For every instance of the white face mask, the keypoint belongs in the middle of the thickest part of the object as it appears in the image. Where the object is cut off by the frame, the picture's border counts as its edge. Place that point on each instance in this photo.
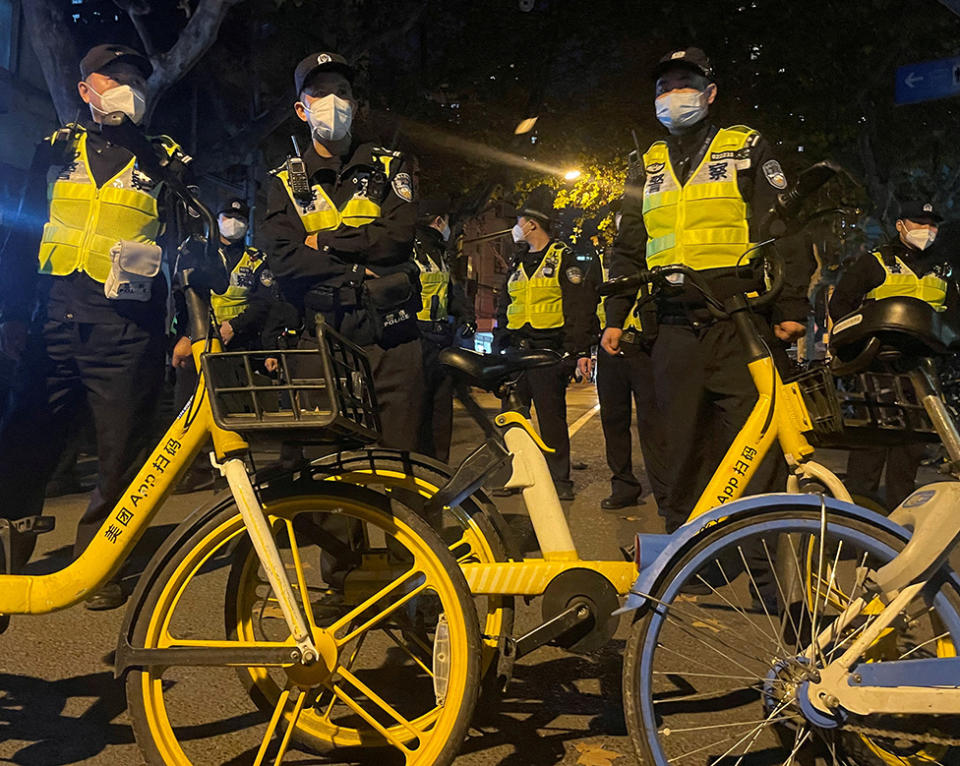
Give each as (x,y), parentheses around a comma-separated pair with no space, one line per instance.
(124,99)
(445,232)
(920,238)
(677,110)
(616,220)
(517,233)
(232,228)
(329,118)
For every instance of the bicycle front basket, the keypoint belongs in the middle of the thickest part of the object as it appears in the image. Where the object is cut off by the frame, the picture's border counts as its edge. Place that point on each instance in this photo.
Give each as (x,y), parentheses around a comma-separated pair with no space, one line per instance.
(322,394)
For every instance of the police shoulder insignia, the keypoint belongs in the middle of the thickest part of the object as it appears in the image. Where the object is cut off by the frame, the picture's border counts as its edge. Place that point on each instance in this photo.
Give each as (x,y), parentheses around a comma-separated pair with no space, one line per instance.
(403,186)
(774,174)
(266,277)
(575,275)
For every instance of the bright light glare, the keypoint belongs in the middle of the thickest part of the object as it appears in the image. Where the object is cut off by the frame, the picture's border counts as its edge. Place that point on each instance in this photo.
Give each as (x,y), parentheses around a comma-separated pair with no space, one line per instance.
(571,175)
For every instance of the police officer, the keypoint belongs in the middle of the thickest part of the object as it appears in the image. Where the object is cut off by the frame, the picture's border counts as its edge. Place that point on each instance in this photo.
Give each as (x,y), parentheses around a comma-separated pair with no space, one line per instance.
(703,197)
(339,238)
(447,314)
(901,267)
(624,380)
(241,313)
(97,335)
(548,303)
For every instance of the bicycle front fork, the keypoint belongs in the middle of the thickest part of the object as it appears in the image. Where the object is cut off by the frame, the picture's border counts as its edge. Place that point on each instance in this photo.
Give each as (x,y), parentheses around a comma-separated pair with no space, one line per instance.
(261,535)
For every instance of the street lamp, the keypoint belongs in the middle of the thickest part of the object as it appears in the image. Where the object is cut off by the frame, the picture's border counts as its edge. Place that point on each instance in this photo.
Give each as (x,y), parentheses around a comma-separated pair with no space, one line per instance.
(571,175)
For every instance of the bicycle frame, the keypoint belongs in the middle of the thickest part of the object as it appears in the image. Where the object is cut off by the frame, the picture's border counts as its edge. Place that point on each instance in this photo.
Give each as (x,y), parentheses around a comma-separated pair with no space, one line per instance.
(130,517)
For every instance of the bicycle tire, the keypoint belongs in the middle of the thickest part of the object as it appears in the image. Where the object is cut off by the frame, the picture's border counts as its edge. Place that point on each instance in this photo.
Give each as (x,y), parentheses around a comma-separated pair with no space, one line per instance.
(199,548)
(649,680)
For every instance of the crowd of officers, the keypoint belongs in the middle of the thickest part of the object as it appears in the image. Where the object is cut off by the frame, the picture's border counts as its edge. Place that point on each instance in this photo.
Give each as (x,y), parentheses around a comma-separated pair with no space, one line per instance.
(345,238)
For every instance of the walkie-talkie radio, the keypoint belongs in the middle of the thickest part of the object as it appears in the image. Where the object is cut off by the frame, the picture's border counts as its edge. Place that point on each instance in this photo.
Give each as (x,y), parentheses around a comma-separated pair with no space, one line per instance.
(297,176)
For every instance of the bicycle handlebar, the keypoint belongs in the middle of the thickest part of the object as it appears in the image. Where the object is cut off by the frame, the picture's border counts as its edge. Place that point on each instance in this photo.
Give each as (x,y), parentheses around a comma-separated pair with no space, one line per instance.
(659,276)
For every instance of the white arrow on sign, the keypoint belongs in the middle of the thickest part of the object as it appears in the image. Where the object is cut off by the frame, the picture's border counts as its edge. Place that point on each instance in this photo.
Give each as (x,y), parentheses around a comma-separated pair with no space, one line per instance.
(912,79)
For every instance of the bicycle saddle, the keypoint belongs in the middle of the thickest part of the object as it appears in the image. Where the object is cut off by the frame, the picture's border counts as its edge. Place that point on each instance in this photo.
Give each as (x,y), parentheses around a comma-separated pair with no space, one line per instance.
(489,371)
(890,328)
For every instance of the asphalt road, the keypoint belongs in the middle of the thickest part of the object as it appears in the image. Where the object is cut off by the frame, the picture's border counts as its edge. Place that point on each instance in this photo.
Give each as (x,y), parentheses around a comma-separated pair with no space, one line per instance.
(59,702)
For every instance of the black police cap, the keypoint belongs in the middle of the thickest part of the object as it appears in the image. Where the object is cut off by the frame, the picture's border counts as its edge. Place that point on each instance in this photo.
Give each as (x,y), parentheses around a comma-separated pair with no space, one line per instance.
(235,206)
(100,56)
(538,205)
(315,62)
(431,207)
(692,58)
(914,210)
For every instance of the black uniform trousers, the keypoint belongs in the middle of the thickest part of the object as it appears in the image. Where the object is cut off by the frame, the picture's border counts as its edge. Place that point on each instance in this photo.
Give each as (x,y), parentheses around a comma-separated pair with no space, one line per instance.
(397,380)
(625,381)
(865,466)
(117,370)
(436,421)
(706,396)
(546,389)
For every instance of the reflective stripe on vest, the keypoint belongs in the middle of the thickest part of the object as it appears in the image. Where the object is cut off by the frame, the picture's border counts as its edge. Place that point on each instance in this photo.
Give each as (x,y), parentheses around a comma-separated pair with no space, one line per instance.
(434,284)
(601,308)
(233,301)
(322,215)
(703,223)
(906,284)
(86,221)
(537,300)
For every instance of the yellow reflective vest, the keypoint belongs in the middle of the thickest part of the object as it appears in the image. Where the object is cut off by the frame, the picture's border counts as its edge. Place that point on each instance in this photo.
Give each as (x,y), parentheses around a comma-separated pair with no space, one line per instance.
(233,301)
(321,214)
(704,223)
(537,300)
(601,308)
(434,288)
(902,282)
(85,220)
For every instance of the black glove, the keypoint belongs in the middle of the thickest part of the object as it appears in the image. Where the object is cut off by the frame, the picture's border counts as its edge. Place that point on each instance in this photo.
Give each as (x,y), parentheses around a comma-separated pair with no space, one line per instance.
(468,329)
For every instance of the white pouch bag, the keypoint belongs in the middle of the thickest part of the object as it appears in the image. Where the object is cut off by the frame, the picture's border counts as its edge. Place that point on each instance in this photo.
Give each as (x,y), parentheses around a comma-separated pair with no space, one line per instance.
(133,267)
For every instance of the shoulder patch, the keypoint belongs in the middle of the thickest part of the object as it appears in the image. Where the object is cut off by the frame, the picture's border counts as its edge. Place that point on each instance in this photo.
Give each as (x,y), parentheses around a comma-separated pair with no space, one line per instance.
(774,174)
(266,277)
(403,186)
(575,275)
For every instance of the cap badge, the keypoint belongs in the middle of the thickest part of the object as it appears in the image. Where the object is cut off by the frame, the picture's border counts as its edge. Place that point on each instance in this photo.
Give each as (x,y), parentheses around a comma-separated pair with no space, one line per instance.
(235,205)
(678,54)
(928,208)
(324,58)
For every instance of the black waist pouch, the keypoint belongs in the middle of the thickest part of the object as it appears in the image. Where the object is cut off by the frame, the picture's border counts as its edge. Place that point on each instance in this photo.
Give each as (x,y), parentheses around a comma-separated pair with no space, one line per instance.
(392,303)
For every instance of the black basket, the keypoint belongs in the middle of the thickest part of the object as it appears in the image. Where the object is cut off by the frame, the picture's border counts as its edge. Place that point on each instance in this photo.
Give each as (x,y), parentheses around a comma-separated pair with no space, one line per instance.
(322,394)
(871,409)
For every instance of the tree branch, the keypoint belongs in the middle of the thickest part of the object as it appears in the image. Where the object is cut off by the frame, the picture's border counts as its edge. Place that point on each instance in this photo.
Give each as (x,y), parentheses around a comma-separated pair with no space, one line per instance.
(390,34)
(195,40)
(48,27)
(236,149)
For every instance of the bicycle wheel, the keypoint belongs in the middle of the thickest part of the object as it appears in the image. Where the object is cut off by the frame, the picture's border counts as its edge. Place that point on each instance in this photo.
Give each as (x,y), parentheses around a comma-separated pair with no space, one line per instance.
(713,666)
(473,530)
(386,603)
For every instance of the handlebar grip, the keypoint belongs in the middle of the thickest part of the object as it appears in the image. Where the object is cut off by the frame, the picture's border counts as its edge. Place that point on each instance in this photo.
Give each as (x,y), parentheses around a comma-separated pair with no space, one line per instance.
(763,300)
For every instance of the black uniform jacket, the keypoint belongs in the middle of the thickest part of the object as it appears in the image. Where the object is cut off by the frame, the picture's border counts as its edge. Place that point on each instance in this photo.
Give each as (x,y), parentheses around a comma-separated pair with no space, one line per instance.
(866,273)
(308,277)
(629,250)
(579,329)
(74,297)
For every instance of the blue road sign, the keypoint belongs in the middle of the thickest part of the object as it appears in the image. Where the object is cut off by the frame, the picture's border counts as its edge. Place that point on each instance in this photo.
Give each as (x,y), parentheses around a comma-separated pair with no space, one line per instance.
(928,80)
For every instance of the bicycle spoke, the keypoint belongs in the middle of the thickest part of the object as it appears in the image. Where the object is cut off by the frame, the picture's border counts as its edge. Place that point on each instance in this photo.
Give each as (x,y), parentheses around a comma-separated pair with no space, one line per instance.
(380,595)
(783,596)
(272,726)
(301,579)
(376,699)
(371,721)
(295,716)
